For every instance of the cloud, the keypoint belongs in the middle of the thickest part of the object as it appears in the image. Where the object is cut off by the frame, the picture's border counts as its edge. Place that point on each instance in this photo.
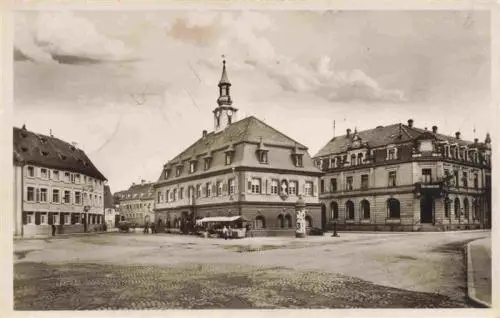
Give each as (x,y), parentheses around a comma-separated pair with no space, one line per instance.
(66,38)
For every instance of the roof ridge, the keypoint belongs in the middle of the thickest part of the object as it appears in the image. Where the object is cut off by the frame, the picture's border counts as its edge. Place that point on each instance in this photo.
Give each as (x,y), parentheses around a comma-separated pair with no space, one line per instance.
(279,132)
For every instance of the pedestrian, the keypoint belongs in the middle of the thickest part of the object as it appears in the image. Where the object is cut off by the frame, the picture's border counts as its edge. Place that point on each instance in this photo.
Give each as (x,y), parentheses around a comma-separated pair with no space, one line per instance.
(247,230)
(53,230)
(146,229)
(153,228)
(230,232)
(224,232)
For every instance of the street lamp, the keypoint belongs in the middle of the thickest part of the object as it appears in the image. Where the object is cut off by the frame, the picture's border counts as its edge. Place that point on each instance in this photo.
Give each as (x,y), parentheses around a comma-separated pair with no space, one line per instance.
(335,234)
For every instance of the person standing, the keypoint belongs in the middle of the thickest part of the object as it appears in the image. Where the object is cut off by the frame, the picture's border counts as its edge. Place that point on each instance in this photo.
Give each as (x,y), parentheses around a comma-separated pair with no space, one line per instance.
(224,232)
(53,230)
(230,232)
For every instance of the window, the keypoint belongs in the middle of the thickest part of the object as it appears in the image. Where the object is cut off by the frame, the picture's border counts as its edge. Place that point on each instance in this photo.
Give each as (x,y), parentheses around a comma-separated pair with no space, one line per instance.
(198,190)
(231,186)
(66,218)
(29,218)
(365,209)
(260,222)
(77,178)
(67,197)
(55,218)
(288,221)
(263,156)
(476,180)
(447,207)
(457,208)
(30,194)
(393,209)
(174,194)
(181,193)
(292,188)
(333,185)
(308,189)
(178,171)
(274,186)
(219,187)
(364,181)
(229,158)
(55,195)
(349,210)
(392,178)
(457,183)
(209,189)
(308,220)
(167,173)
(360,159)
(72,178)
(256,185)
(43,218)
(391,154)
(159,197)
(353,160)
(44,173)
(335,210)
(67,177)
(298,160)
(167,196)
(322,186)
(43,195)
(192,166)
(206,164)
(465,179)
(466,208)
(348,183)
(78,197)
(280,222)
(31,171)
(426,175)
(55,175)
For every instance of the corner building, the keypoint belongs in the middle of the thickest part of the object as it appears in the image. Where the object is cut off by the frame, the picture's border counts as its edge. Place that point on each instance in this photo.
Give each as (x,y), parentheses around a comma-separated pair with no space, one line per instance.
(136,204)
(402,178)
(54,183)
(242,168)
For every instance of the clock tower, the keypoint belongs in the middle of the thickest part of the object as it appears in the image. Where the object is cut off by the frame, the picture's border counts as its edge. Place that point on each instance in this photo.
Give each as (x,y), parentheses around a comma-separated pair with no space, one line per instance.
(224,113)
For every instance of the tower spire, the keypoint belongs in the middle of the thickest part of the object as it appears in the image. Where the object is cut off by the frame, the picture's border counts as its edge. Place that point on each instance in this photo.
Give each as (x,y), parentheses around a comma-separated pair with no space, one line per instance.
(224,113)
(224,85)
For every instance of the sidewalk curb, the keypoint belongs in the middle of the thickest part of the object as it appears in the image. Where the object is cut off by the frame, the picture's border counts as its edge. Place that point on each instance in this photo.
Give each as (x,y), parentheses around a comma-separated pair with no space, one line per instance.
(61,236)
(471,289)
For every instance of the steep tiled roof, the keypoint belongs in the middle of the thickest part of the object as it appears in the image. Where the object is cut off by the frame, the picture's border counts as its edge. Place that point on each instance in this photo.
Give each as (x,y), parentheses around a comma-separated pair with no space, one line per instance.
(249,129)
(383,136)
(108,198)
(51,152)
(137,191)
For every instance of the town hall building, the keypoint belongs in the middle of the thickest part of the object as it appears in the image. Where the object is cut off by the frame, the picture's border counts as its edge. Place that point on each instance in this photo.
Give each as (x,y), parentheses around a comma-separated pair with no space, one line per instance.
(242,168)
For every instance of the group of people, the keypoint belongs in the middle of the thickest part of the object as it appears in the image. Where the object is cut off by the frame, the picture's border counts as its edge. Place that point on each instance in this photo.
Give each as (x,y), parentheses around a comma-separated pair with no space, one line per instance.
(227,232)
(147,226)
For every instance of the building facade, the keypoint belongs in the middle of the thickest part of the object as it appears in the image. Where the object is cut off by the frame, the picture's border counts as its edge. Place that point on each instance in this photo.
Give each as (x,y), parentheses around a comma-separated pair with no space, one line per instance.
(110,210)
(402,178)
(54,183)
(136,204)
(243,167)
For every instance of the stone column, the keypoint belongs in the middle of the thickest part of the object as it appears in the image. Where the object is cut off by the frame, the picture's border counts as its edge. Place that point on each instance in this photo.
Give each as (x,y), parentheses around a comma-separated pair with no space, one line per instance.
(300,211)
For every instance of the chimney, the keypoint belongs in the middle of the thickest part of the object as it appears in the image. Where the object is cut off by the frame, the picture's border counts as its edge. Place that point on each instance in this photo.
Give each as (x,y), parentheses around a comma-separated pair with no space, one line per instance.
(476,140)
(204,133)
(410,123)
(457,135)
(143,181)
(348,132)
(435,129)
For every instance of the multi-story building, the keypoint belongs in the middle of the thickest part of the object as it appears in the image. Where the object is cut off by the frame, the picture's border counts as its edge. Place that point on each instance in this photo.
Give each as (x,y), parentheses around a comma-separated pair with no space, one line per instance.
(403,178)
(136,204)
(54,183)
(110,211)
(242,168)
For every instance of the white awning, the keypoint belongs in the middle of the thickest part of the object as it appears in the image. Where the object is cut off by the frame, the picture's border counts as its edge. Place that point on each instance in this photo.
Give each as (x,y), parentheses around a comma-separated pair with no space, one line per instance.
(220,219)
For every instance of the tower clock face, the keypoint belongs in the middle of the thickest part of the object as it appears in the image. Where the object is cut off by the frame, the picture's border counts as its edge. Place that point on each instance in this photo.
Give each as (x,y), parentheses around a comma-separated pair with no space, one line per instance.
(217,113)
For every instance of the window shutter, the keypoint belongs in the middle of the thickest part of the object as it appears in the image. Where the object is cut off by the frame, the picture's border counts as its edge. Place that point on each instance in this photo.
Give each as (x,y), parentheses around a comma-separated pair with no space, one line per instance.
(37,218)
(268,185)
(51,221)
(25,218)
(304,189)
(314,189)
(224,187)
(61,218)
(37,198)
(249,185)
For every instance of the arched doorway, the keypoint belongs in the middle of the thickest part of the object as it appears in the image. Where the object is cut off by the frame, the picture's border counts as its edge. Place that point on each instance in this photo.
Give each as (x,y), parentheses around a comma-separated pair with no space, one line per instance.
(426,209)
(335,210)
(288,221)
(365,209)
(281,221)
(466,209)
(349,210)
(308,220)
(323,217)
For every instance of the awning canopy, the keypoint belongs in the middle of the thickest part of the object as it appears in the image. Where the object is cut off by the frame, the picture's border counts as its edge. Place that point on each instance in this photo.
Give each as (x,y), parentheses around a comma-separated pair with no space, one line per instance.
(221,219)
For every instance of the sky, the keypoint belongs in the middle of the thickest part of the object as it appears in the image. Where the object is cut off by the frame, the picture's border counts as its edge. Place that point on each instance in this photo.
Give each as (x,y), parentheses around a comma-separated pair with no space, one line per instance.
(135,88)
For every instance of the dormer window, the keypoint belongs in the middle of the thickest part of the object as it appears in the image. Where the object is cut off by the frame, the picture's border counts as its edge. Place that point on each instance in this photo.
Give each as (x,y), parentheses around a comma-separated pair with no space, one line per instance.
(297,160)
(206,163)
(178,171)
(263,156)
(167,173)
(62,157)
(45,153)
(353,159)
(229,155)
(360,159)
(392,153)
(192,166)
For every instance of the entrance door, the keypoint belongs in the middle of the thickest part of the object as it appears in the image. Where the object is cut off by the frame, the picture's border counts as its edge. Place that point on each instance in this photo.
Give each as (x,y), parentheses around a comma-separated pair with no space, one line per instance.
(426,209)
(323,217)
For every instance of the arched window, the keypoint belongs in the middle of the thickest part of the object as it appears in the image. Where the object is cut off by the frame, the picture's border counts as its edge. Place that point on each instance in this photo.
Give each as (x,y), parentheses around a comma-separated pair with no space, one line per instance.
(466,208)
(360,159)
(260,222)
(308,220)
(349,210)
(281,221)
(288,221)
(393,208)
(447,207)
(365,209)
(457,208)
(335,210)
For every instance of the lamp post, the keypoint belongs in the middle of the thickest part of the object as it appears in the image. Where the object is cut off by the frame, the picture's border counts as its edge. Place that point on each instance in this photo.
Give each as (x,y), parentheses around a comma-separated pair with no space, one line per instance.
(335,234)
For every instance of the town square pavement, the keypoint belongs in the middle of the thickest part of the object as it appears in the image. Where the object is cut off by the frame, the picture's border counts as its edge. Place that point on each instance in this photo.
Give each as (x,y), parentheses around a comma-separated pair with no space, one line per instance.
(160,271)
